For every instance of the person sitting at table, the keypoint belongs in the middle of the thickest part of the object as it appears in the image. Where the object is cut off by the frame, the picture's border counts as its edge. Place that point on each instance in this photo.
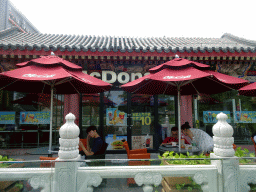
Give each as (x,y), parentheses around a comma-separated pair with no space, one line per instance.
(185,131)
(97,145)
(173,138)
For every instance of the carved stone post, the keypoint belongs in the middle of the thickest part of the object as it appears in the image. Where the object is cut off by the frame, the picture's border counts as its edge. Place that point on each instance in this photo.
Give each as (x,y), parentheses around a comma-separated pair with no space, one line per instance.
(228,169)
(148,179)
(66,172)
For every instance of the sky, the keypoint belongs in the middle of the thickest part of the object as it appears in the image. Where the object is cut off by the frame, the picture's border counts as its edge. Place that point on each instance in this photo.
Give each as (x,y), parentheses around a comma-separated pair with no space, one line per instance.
(142,18)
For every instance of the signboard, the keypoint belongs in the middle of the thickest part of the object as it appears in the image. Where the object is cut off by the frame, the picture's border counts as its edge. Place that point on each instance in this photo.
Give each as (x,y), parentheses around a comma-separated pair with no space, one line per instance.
(140,142)
(115,142)
(145,118)
(245,117)
(210,116)
(116,117)
(7,117)
(35,117)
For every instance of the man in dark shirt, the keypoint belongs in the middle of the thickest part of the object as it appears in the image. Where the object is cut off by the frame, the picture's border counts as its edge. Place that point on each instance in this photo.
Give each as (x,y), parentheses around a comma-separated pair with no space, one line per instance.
(97,145)
(174,138)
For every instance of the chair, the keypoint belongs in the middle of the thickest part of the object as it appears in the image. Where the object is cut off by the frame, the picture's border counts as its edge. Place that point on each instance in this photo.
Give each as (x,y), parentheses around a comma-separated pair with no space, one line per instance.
(136,154)
(254,144)
(84,141)
(48,164)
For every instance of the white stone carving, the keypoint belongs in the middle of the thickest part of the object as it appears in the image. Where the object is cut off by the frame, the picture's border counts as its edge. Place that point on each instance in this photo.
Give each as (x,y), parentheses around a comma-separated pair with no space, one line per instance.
(86,182)
(148,178)
(69,140)
(42,181)
(223,140)
(94,180)
(200,178)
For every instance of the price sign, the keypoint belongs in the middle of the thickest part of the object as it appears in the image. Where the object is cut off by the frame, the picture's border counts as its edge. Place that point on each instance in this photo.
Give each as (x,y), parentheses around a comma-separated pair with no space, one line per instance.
(145,118)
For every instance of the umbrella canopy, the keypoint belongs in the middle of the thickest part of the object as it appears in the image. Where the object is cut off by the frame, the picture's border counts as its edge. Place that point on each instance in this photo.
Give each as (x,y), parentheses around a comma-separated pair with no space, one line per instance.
(249,90)
(48,73)
(94,99)
(180,77)
(41,79)
(37,99)
(188,80)
(50,61)
(179,62)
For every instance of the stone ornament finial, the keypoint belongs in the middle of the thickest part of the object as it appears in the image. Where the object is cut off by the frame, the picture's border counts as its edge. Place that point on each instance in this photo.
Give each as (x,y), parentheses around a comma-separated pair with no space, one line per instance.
(69,140)
(223,140)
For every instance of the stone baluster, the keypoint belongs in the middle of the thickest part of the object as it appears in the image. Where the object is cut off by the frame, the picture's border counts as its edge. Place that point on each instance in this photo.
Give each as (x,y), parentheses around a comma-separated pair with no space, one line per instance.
(228,168)
(69,139)
(65,170)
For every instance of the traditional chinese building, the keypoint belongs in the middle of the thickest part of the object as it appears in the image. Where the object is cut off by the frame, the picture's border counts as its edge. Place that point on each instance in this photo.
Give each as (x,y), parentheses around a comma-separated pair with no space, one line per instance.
(118,60)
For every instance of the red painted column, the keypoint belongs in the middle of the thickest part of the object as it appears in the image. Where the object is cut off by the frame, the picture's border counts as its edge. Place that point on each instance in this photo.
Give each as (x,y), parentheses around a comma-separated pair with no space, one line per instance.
(186,110)
(71,105)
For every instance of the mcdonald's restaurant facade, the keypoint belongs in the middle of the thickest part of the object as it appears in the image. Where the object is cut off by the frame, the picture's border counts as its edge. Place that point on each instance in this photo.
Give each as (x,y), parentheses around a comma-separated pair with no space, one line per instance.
(119,115)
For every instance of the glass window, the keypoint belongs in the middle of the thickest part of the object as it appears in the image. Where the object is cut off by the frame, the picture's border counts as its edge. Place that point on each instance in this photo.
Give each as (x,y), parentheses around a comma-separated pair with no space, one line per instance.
(241,111)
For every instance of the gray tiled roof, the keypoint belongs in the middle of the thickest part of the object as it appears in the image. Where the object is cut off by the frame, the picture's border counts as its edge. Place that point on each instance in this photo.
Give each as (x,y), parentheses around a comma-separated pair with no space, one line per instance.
(14,39)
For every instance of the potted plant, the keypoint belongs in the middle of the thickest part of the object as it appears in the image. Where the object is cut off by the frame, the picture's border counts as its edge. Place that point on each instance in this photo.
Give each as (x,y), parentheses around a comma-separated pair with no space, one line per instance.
(181,183)
(186,183)
(244,153)
(14,186)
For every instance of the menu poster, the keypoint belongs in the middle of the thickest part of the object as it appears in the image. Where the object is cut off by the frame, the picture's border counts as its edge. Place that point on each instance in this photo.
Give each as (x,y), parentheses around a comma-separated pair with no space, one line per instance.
(210,116)
(34,117)
(140,142)
(115,142)
(116,117)
(145,118)
(245,117)
(7,117)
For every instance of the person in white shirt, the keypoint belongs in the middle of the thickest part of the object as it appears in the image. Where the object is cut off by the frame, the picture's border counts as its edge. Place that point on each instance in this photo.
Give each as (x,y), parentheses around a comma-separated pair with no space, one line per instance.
(185,129)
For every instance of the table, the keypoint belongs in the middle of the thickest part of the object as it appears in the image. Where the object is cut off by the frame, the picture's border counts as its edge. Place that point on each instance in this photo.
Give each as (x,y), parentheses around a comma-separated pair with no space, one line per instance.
(162,149)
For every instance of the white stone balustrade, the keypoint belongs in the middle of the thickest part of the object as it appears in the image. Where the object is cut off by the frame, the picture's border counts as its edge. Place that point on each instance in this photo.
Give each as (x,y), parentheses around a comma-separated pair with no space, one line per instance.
(225,175)
(223,140)
(69,140)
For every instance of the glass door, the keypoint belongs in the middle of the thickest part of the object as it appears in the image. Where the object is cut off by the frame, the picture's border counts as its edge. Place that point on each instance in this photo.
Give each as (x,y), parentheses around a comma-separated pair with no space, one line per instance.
(142,124)
(115,119)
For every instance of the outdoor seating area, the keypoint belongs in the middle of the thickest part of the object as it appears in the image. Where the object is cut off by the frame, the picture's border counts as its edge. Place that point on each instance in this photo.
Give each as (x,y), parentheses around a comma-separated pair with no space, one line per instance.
(121,112)
(166,173)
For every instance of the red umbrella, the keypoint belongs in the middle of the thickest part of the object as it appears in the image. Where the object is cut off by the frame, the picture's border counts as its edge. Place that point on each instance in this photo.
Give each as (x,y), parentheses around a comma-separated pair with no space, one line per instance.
(45,74)
(249,90)
(50,61)
(95,99)
(180,77)
(38,99)
(178,62)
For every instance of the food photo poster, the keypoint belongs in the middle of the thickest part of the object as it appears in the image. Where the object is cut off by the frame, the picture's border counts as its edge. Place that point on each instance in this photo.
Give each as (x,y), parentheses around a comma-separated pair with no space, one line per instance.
(116,117)
(115,142)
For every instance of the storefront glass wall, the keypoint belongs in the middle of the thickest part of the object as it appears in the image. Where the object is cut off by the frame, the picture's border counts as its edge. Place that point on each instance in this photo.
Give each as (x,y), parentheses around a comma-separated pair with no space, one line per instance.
(241,111)
(25,119)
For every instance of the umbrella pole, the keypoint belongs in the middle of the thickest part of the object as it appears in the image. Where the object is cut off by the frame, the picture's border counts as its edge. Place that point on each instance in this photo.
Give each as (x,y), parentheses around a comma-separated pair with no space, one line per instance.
(179,127)
(51,117)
